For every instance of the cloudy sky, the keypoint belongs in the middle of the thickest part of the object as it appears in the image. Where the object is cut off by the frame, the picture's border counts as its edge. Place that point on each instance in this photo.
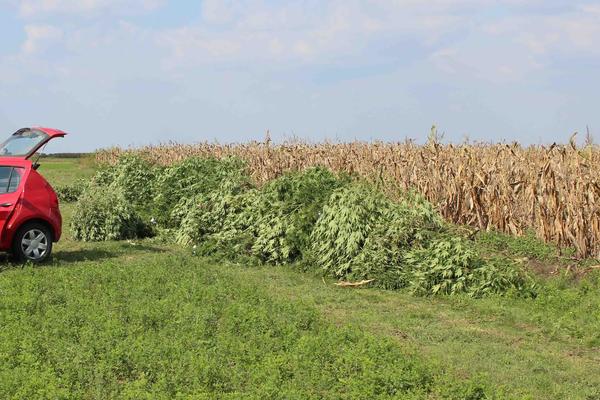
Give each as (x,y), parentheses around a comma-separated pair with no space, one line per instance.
(115,72)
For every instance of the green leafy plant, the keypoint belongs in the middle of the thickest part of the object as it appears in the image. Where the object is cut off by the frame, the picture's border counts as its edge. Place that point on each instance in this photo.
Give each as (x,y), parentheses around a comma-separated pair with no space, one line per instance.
(181,184)
(133,176)
(348,228)
(221,217)
(271,224)
(449,265)
(71,192)
(106,215)
(363,234)
(527,245)
(287,210)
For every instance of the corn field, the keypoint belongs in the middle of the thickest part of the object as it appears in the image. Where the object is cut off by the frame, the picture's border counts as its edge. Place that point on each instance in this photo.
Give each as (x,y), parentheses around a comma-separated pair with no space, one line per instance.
(551,190)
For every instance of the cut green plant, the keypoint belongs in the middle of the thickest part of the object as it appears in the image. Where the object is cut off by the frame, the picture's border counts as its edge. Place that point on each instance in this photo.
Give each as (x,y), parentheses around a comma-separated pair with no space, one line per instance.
(345,226)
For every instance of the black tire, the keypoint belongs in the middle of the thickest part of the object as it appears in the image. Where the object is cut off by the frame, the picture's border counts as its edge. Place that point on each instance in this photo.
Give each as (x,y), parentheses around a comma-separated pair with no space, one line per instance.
(32,242)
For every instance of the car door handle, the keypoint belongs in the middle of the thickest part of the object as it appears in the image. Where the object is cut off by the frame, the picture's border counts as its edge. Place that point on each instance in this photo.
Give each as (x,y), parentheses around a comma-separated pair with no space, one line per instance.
(5,204)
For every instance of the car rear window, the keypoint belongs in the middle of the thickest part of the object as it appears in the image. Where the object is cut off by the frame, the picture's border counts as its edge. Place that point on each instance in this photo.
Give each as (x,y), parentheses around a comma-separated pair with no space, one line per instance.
(10,177)
(22,142)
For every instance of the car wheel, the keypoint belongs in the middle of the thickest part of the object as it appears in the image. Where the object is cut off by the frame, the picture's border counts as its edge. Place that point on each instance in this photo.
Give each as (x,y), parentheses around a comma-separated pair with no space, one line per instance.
(32,242)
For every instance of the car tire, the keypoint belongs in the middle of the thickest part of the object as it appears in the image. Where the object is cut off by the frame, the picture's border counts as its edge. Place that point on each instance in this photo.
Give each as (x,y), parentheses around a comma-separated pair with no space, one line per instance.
(32,242)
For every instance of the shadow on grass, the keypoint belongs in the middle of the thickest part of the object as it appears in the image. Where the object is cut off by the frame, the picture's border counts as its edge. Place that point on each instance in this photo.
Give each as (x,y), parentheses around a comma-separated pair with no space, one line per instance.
(6,262)
(99,254)
(61,257)
(71,256)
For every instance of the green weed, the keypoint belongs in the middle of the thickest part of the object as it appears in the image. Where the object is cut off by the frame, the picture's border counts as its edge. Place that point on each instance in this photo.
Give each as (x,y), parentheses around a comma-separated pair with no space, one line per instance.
(348,228)
(71,192)
(178,186)
(527,245)
(102,214)
(167,328)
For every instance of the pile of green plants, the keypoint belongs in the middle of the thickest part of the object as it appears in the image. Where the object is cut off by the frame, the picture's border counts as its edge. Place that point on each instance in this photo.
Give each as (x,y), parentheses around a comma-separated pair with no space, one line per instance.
(362,234)
(134,177)
(311,218)
(179,186)
(272,224)
(112,206)
(103,214)
(151,194)
(71,192)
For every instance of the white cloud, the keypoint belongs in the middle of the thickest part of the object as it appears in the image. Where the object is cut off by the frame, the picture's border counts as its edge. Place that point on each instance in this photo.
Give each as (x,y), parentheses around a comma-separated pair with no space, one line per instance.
(497,63)
(34,8)
(312,31)
(577,30)
(458,37)
(8,74)
(512,47)
(40,36)
(591,9)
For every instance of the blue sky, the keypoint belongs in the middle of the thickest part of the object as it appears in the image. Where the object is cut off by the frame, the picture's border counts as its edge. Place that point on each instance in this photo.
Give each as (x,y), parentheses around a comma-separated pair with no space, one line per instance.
(115,72)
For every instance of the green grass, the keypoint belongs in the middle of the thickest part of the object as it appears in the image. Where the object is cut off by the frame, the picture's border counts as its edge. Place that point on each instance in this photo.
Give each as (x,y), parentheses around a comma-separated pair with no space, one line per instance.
(166,326)
(142,320)
(62,171)
(547,348)
(527,246)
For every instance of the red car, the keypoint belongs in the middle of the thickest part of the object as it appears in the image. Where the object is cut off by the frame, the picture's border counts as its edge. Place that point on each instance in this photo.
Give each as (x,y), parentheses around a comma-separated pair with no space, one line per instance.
(30,220)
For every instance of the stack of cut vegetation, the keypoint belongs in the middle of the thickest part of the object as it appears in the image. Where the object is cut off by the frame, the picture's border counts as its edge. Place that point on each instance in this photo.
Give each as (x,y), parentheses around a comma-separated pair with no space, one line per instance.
(314,217)
(71,193)
(551,190)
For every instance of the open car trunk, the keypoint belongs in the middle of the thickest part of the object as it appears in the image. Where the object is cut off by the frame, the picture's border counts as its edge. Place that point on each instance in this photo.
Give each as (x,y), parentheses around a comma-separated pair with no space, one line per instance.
(25,142)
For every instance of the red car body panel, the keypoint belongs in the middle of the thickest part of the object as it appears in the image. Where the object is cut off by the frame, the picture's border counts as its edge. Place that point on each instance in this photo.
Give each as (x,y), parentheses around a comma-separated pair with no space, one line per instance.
(51,131)
(33,200)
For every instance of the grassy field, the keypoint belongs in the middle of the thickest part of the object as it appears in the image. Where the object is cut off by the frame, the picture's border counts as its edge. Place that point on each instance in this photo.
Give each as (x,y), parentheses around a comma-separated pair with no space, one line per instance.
(141,319)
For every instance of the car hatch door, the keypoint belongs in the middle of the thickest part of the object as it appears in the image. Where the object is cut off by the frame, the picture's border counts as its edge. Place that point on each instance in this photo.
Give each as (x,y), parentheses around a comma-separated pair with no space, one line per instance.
(25,142)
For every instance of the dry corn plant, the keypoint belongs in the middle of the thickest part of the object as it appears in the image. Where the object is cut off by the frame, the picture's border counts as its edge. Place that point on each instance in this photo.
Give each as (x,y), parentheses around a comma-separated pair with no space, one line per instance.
(553,190)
